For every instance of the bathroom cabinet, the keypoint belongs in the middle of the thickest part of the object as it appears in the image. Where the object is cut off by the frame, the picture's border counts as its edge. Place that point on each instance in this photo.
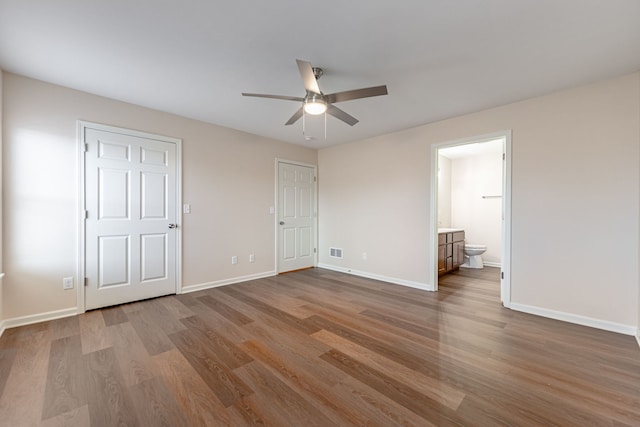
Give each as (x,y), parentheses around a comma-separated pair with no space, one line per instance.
(450,250)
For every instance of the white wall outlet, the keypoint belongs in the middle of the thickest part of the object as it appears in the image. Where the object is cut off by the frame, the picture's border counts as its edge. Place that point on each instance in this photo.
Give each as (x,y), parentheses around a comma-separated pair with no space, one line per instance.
(67,283)
(234,260)
(272,210)
(186,208)
(252,258)
(364,256)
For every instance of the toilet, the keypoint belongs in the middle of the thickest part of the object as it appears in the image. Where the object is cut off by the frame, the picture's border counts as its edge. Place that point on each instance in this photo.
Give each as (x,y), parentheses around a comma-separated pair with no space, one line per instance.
(472,256)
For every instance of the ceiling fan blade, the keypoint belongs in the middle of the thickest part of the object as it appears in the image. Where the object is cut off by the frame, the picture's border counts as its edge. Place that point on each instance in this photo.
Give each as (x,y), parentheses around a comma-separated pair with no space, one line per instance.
(309,79)
(295,117)
(287,98)
(341,115)
(348,95)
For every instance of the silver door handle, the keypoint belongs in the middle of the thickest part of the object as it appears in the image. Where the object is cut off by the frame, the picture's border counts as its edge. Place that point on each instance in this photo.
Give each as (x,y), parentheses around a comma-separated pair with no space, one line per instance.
(173,225)
(281,222)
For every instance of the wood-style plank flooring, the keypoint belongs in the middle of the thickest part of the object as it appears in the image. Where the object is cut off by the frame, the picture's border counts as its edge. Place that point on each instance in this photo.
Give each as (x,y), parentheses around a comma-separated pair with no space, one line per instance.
(319,348)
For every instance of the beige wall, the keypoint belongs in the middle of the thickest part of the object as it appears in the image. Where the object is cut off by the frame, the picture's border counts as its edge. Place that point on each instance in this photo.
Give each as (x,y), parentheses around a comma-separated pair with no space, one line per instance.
(575,197)
(228,178)
(576,157)
(1,265)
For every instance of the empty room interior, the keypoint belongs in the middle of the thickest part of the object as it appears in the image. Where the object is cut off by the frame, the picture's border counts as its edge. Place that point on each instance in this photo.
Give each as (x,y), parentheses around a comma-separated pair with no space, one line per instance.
(336,213)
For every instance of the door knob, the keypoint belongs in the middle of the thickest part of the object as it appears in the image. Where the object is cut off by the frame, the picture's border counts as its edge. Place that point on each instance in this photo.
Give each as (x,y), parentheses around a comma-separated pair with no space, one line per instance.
(173,225)
(281,222)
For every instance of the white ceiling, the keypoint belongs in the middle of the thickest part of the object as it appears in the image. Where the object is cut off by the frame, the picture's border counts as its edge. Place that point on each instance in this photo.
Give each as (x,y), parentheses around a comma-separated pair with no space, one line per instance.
(439,58)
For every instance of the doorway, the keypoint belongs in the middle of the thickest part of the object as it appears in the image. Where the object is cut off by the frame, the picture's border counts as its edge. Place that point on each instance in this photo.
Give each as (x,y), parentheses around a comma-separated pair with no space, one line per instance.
(296,219)
(130,215)
(500,199)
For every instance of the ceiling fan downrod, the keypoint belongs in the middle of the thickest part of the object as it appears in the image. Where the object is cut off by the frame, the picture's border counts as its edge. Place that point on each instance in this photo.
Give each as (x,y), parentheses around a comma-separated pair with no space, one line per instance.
(317,72)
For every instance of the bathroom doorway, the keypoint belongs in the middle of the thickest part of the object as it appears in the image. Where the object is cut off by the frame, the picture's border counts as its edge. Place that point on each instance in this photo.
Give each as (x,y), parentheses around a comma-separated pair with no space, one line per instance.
(471,189)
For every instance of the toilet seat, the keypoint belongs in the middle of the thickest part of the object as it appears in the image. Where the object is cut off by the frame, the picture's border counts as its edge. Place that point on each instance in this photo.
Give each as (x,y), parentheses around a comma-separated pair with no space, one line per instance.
(470,246)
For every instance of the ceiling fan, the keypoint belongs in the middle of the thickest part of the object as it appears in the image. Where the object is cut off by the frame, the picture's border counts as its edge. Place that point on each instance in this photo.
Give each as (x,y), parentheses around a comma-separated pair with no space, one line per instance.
(315,102)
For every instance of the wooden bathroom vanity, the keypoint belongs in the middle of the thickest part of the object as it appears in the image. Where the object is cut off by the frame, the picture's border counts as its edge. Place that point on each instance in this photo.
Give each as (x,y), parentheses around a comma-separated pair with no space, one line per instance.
(450,249)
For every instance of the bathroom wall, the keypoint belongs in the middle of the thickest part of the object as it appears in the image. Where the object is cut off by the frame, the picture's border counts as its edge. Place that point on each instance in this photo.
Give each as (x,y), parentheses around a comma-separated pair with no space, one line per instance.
(444,192)
(472,178)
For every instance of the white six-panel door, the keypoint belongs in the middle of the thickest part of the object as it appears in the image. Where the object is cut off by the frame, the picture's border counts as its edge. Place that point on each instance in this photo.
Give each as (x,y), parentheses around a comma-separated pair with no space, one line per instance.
(296,217)
(130,234)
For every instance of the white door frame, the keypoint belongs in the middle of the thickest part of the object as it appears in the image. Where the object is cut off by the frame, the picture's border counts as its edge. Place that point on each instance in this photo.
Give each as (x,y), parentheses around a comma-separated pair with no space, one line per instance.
(81,268)
(277,214)
(505,287)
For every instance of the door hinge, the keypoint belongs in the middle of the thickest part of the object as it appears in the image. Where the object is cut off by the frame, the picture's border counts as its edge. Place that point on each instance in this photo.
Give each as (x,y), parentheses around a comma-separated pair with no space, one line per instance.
(504,156)
(314,179)
(502,275)
(86,147)
(314,250)
(86,214)
(86,282)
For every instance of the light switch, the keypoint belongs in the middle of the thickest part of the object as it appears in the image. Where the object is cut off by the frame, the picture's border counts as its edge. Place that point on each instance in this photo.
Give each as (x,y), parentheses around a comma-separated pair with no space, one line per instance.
(272,210)
(186,208)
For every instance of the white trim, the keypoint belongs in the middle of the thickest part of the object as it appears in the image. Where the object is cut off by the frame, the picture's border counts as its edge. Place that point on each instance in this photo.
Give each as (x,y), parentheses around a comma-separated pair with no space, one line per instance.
(638,339)
(394,280)
(276,213)
(224,282)
(37,318)
(1,290)
(577,319)
(433,223)
(505,290)
(505,283)
(492,264)
(80,219)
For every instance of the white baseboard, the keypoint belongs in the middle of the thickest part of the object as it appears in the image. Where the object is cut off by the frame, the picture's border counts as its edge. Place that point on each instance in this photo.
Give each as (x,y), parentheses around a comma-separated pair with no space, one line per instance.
(638,339)
(52,315)
(37,318)
(396,281)
(224,282)
(492,264)
(577,319)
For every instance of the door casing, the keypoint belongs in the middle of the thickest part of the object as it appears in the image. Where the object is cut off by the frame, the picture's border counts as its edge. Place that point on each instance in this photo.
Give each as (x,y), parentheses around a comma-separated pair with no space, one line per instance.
(81,267)
(505,283)
(277,213)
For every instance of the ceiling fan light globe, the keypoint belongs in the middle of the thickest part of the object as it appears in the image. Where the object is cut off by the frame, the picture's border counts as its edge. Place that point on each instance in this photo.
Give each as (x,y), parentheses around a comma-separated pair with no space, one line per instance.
(315,106)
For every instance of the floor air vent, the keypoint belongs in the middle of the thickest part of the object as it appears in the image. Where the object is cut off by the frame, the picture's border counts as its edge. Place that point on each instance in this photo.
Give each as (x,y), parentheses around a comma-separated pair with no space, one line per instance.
(335,252)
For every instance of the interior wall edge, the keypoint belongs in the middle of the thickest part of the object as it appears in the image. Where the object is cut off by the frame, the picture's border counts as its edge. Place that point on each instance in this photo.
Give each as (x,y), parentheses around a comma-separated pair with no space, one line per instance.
(225,282)
(394,280)
(577,319)
(37,318)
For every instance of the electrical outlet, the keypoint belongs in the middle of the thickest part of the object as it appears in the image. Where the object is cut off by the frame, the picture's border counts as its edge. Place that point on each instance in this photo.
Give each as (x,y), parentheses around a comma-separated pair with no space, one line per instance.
(364,256)
(234,259)
(252,258)
(67,283)
(186,208)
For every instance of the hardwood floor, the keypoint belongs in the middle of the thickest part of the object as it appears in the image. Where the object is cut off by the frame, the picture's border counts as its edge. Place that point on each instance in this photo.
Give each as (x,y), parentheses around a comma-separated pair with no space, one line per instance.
(319,348)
